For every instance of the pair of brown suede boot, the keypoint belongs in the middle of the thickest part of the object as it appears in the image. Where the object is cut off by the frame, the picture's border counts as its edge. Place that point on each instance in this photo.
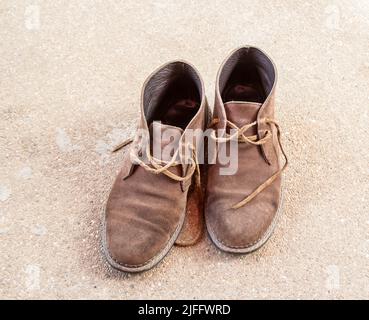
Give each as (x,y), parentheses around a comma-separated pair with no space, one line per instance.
(171,181)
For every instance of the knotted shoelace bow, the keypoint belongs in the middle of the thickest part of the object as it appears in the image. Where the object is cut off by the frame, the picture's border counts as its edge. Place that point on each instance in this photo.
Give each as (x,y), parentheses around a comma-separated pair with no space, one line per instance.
(242,138)
(157,166)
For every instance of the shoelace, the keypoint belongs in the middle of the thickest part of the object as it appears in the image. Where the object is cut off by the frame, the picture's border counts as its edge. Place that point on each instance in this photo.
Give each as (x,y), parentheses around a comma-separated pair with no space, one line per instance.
(157,166)
(242,138)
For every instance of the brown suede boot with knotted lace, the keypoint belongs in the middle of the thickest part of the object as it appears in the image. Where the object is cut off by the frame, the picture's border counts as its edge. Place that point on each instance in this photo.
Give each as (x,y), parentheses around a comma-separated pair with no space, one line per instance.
(146,209)
(241,209)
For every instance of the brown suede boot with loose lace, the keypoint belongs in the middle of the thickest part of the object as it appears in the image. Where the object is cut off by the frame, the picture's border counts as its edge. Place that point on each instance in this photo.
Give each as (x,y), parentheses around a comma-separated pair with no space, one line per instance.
(147,204)
(241,209)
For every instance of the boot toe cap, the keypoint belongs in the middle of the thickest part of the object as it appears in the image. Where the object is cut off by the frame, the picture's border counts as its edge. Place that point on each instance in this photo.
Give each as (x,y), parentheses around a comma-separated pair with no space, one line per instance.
(134,248)
(239,229)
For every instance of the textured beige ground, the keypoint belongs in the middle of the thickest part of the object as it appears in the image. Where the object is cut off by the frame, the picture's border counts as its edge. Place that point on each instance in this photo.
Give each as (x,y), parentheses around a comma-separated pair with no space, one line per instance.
(70,77)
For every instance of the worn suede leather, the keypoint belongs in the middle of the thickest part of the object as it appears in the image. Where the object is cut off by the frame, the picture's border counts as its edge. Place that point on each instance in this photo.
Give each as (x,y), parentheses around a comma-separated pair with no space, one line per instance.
(244,94)
(145,211)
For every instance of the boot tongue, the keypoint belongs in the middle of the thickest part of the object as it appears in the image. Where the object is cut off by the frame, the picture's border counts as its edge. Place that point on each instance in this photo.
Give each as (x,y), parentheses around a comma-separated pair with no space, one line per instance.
(164,140)
(241,113)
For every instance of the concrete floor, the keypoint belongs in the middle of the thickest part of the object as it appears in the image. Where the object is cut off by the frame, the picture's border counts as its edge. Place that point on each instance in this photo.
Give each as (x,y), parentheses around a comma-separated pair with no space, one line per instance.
(70,78)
